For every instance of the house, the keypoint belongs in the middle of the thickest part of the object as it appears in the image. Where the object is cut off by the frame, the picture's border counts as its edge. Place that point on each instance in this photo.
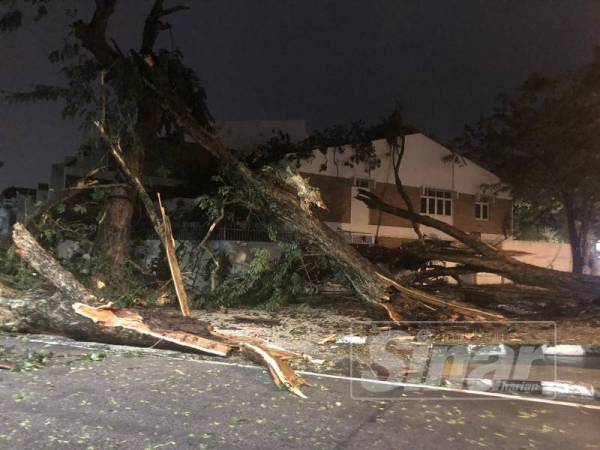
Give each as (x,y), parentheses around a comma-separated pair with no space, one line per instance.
(439,184)
(168,167)
(17,204)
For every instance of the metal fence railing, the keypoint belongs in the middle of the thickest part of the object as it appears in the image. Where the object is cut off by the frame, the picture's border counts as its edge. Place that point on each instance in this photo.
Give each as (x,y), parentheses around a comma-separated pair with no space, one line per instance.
(195,231)
(358,238)
(241,234)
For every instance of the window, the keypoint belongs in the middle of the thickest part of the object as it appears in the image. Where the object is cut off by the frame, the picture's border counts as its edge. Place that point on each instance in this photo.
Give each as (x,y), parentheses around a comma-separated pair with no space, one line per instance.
(436,202)
(482,209)
(364,183)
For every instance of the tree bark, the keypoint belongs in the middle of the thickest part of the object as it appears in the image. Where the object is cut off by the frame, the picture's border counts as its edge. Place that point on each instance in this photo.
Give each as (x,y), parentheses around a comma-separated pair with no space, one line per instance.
(575,236)
(111,246)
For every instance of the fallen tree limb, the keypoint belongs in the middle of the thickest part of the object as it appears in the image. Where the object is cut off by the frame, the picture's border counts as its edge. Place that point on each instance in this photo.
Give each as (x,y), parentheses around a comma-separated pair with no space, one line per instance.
(65,314)
(520,301)
(130,319)
(161,227)
(32,253)
(463,308)
(291,211)
(585,288)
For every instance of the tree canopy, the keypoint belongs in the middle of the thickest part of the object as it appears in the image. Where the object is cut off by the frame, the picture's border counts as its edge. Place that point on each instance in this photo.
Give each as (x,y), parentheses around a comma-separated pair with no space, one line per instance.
(544,142)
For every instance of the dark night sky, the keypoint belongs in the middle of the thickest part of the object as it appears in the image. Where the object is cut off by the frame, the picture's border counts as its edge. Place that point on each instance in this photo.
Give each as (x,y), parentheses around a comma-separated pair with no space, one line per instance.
(326,61)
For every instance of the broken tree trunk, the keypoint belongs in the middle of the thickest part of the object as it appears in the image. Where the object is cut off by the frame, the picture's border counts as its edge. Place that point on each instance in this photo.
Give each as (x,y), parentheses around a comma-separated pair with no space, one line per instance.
(65,314)
(298,219)
(487,258)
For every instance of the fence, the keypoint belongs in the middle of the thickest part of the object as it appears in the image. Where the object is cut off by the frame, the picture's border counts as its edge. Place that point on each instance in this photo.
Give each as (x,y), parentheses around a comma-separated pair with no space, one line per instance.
(195,231)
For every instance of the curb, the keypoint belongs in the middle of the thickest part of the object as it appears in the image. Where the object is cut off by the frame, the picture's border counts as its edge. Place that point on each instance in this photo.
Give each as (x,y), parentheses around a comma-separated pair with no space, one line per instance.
(547,350)
(498,349)
(571,350)
(544,388)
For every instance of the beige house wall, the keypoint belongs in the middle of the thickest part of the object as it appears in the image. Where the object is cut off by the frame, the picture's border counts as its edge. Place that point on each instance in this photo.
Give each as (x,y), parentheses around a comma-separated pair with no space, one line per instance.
(551,255)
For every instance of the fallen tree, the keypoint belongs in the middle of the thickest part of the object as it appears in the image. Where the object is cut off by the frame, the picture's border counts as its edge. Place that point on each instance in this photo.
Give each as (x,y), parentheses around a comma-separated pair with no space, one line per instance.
(76,312)
(294,212)
(478,256)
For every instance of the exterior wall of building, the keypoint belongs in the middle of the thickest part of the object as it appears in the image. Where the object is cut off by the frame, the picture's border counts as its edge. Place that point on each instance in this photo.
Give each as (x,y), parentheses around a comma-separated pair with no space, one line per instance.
(499,220)
(389,194)
(426,164)
(551,255)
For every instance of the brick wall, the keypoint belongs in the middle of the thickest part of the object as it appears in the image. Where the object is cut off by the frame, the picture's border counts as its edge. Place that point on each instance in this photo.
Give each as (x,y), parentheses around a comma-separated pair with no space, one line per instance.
(336,193)
(499,222)
(389,194)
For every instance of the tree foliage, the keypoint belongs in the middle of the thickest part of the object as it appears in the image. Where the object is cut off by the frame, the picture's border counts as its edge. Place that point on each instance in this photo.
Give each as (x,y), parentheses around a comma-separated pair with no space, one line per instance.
(353,139)
(92,91)
(103,83)
(544,143)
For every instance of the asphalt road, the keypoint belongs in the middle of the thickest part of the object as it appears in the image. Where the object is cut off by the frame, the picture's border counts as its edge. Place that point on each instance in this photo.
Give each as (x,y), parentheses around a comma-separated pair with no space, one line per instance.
(79,399)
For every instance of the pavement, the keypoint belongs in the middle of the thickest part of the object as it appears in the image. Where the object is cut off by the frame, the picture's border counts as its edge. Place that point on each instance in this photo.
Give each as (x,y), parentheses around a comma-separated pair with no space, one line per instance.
(70,396)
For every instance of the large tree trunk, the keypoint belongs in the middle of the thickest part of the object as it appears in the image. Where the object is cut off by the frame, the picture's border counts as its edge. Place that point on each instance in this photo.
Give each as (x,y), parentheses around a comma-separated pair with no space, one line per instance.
(575,237)
(111,246)
(50,313)
(112,242)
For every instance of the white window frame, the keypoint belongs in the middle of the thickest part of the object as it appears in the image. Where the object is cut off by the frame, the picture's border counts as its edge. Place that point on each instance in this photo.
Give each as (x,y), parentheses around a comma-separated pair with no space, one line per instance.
(437,202)
(363,183)
(481,205)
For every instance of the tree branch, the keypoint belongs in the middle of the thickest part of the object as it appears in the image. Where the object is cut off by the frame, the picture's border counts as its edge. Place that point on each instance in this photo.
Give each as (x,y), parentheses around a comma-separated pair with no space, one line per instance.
(93,34)
(154,25)
(117,153)
(372,201)
(397,155)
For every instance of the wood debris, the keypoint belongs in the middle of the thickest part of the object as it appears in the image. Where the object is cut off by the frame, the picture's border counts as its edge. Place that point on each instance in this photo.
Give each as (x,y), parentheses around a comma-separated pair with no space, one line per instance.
(327,340)
(7,365)
(169,242)
(107,323)
(130,319)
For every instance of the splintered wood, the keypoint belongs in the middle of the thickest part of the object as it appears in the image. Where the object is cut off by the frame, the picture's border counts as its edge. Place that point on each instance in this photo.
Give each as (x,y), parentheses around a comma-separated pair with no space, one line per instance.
(220,343)
(109,316)
(274,357)
(111,323)
(169,242)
